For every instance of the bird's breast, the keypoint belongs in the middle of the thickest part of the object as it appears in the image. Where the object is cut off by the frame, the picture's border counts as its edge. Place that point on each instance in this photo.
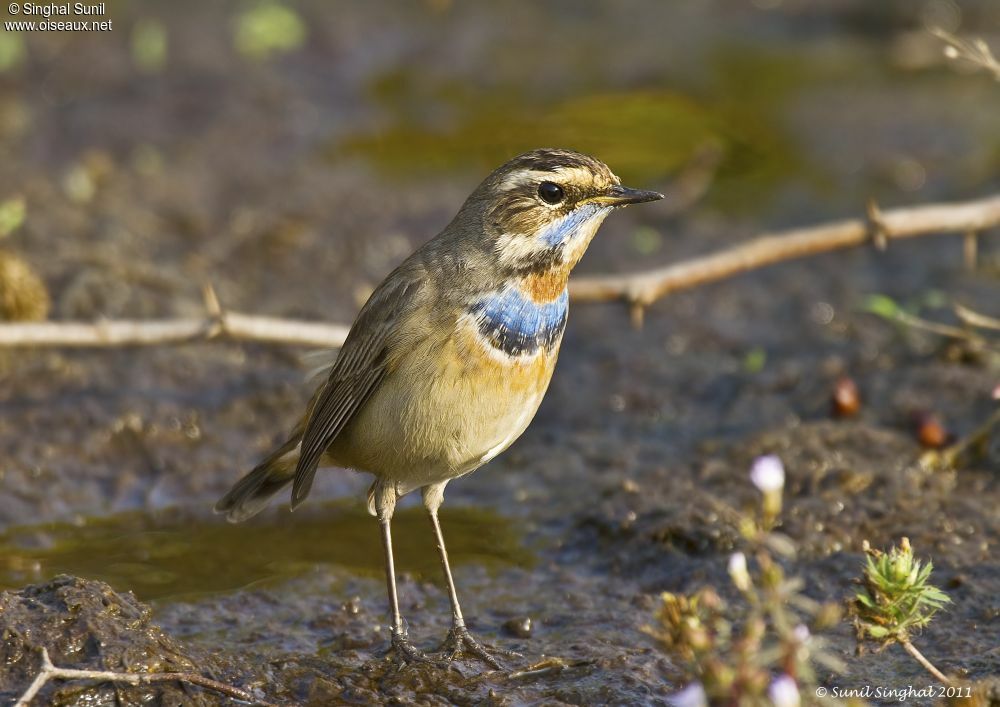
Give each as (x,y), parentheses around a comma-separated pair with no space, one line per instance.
(518,321)
(460,395)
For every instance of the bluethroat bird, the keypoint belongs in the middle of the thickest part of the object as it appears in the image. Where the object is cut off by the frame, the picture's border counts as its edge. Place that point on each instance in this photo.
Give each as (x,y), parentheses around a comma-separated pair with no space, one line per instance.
(448,360)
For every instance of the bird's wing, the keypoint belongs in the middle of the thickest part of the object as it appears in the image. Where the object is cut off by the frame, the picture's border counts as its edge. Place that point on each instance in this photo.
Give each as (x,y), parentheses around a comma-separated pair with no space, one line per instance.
(357,373)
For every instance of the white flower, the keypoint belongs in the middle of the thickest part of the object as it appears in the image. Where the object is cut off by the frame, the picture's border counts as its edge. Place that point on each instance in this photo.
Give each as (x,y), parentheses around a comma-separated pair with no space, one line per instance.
(738,571)
(801,633)
(768,473)
(691,696)
(784,692)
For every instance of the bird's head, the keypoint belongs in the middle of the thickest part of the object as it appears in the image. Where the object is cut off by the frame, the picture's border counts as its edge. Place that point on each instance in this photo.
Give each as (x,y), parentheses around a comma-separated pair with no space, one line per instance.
(541,209)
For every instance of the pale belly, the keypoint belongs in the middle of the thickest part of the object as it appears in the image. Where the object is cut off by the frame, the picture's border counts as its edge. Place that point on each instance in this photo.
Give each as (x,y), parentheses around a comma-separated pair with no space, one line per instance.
(443,411)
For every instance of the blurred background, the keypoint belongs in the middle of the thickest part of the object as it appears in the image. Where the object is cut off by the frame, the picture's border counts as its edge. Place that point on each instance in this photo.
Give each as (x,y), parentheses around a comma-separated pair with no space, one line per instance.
(291,153)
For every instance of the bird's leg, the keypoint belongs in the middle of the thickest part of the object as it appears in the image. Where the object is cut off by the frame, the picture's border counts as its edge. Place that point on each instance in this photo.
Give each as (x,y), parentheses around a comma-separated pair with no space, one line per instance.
(459,639)
(385,504)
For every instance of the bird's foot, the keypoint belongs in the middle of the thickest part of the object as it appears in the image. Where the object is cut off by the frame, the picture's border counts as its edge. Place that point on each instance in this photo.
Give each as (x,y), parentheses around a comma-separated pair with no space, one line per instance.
(405,653)
(459,641)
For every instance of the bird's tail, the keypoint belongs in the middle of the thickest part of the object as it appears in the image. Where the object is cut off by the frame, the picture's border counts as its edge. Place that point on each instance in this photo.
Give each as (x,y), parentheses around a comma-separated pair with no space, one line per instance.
(251,493)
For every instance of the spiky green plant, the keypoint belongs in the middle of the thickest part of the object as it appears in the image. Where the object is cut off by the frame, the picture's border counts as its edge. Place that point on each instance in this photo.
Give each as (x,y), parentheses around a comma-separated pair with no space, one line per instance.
(896,599)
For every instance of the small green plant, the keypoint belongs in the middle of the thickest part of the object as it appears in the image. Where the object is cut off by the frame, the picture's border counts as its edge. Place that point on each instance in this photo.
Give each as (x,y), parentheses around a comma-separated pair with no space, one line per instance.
(896,600)
(12,50)
(688,626)
(268,28)
(12,213)
(150,45)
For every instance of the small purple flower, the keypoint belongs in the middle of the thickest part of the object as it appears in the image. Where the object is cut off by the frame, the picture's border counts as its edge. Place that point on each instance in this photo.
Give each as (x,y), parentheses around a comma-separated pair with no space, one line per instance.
(784,692)
(768,473)
(691,696)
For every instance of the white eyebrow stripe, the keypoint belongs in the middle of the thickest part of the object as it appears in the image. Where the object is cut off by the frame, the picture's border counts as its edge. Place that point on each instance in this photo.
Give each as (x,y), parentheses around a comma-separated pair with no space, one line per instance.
(518,179)
(565,175)
(575,175)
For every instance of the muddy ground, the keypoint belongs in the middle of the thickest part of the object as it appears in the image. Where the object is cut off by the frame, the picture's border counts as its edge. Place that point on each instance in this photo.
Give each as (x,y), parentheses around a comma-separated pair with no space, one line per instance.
(295,181)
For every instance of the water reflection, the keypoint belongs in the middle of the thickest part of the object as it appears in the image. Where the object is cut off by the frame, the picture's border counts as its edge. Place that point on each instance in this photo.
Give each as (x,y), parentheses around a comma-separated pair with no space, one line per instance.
(171,554)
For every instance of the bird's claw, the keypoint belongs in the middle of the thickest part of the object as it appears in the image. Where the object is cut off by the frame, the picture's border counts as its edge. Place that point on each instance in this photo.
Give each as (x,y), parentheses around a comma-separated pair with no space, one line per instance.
(460,640)
(405,653)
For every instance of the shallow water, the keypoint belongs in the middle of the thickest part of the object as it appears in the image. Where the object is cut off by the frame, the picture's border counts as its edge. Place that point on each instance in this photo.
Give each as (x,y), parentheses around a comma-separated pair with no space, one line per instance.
(169,555)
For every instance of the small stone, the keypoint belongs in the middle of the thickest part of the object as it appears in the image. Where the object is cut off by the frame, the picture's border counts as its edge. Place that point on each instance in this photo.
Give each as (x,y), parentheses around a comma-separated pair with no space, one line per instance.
(956,581)
(519,627)
(846,400)
(630,486)
(931,431)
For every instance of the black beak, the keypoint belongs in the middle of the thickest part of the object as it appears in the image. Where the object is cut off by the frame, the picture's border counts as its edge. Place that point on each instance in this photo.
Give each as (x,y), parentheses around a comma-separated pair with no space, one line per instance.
(622,196)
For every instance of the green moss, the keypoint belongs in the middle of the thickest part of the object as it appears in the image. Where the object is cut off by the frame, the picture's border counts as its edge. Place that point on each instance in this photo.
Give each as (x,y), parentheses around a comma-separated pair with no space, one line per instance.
(149,45)
(643,135)
(12,213)
(12,50)
(268,28)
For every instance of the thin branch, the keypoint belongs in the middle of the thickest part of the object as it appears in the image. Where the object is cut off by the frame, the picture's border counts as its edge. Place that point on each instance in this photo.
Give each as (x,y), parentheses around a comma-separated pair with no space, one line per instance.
(644,288)
(928,666)
(233,325)
(968,334)
(975,51)
(50,672)
(973,318)
(953,332)
(638,289)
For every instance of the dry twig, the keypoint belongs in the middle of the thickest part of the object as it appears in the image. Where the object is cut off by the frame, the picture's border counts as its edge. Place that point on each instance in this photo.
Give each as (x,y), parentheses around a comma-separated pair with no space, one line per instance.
(218,323)
(50,672)
(952,332)
(235,326)
(928,666)
(973,318)
(970,332)
(975,51)
(637,289)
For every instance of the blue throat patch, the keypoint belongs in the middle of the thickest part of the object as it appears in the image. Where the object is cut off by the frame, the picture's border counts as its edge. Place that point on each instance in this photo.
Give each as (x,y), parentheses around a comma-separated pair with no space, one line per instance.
(518,326)
(563,229)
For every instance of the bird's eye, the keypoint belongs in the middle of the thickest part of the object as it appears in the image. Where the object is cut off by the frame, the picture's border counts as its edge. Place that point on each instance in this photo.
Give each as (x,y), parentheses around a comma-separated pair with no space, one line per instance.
(550,192)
